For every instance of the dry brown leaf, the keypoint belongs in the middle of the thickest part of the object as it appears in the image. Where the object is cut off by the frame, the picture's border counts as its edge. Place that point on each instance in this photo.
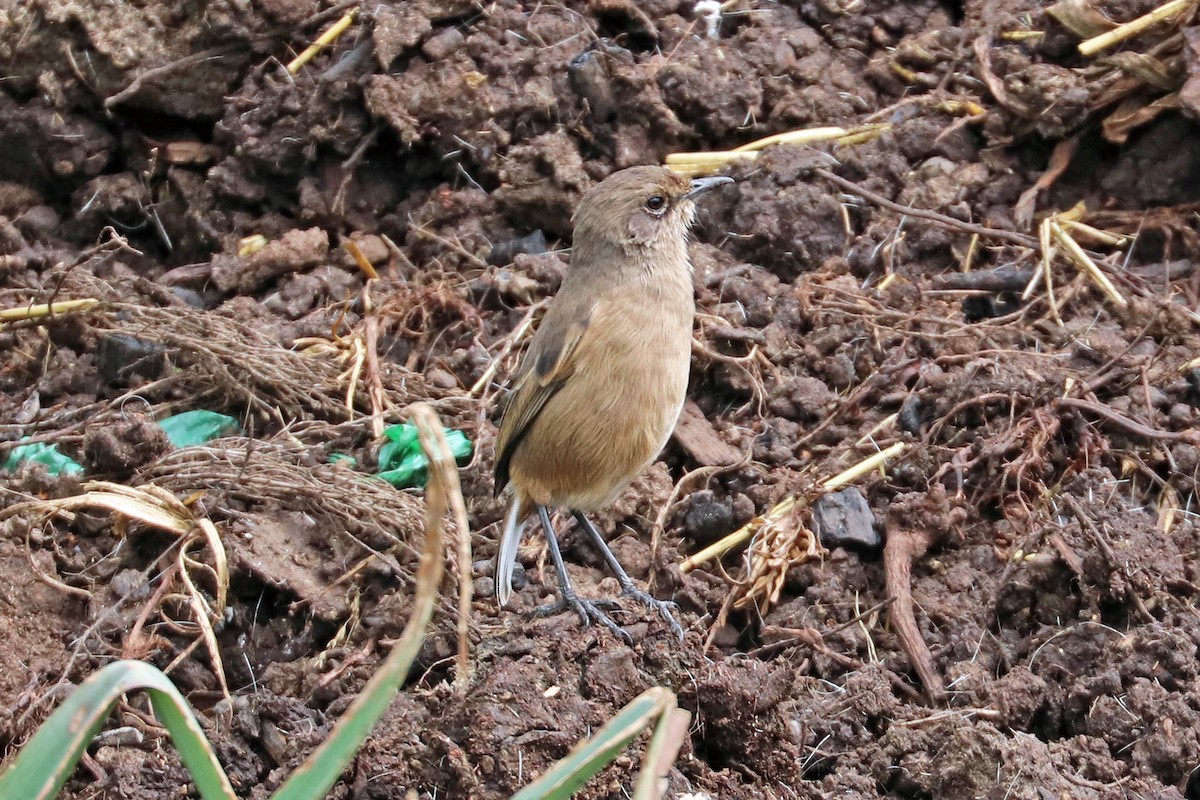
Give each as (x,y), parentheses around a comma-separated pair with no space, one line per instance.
(1081,17)
(1133,113)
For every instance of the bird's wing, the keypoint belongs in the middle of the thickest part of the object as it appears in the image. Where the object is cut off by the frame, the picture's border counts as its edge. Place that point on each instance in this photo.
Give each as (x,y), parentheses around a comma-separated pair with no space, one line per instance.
(548,364)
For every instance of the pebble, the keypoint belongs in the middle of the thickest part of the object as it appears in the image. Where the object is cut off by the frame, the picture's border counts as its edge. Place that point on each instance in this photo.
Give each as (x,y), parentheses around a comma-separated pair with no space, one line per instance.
(844,519)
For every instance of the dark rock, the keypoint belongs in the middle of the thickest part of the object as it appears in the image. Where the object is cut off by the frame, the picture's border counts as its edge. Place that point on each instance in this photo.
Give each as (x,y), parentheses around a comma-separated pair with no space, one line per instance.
(843,519)
(912,414)
(519,579)
(122,359)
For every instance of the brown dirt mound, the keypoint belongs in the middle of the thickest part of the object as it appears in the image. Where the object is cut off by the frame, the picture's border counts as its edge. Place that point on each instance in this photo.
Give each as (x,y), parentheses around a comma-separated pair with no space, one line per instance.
(1042,515)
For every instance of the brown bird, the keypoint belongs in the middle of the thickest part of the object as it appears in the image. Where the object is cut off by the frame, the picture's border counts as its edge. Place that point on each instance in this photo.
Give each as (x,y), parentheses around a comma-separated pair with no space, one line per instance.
(601,386)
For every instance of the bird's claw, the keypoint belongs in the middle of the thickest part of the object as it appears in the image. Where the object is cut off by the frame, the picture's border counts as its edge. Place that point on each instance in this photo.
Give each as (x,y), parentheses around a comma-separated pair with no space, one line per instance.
(589,611)
(663,607)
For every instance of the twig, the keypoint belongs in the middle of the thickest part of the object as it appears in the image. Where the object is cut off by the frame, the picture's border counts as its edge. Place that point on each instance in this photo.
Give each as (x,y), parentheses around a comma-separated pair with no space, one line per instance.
(1133,426)
(982,713)
(1133,27)
(195,58)
(901,549)
(1012,237)
(511,342)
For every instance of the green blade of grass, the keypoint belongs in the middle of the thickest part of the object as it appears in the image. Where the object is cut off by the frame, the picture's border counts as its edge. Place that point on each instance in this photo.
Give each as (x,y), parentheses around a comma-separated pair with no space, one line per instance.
(592,755)
(47,760)
(664,746)
(317,774)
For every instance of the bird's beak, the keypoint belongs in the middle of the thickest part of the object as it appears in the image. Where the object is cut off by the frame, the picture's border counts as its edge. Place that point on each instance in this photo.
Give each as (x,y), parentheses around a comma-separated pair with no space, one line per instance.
(702,185)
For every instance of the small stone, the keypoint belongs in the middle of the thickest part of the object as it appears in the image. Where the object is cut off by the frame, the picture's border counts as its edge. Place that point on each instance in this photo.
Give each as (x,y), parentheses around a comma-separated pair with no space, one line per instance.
(122,358)
(190,296)
(743,509)
(844,519)
(519,579)
(911,414)
(1182,415)
(1193,382)
(274,742)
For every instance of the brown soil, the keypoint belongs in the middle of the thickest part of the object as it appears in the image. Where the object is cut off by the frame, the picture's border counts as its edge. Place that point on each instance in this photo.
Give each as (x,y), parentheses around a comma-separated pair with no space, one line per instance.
(142,143)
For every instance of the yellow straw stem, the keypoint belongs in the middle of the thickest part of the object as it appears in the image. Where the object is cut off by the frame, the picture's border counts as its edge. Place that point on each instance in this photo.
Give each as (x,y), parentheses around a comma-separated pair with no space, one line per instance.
(1133,27)
(717,158)
(360,259)
(794,137)
(1104,237)
(862,468)
(39,310)
(706,162)
(1085,263)
(324,40)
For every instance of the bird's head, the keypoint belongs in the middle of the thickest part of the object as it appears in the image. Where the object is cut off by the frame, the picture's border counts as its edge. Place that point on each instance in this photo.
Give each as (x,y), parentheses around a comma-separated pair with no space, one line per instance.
(640,208)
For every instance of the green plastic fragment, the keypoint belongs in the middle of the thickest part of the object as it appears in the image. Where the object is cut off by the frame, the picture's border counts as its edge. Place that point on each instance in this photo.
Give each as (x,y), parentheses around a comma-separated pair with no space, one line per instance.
(189,429)
(40,453)
(402,463)
(194,428)
(343,458)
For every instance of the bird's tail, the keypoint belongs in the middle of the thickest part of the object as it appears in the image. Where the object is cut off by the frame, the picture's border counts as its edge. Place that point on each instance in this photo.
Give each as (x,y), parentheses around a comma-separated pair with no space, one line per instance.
(506,554)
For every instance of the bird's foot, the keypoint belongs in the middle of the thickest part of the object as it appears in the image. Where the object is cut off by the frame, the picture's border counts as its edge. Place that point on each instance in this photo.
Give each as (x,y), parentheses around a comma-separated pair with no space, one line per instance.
(663,607)
(589,611)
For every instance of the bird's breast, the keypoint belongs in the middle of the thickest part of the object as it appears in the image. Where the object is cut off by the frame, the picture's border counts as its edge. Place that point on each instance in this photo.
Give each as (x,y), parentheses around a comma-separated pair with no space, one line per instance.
(618,408)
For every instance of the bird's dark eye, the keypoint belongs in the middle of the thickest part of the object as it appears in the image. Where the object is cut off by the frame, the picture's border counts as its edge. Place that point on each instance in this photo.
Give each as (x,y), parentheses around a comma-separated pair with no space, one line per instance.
(656,203)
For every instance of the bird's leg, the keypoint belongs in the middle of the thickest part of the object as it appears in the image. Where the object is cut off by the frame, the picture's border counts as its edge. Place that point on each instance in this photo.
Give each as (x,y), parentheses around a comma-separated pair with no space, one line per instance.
(588,610)
(663,607)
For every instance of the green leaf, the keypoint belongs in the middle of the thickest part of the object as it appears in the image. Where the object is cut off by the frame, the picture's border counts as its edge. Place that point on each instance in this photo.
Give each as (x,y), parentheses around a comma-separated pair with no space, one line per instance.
(564,778)
(48,759)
